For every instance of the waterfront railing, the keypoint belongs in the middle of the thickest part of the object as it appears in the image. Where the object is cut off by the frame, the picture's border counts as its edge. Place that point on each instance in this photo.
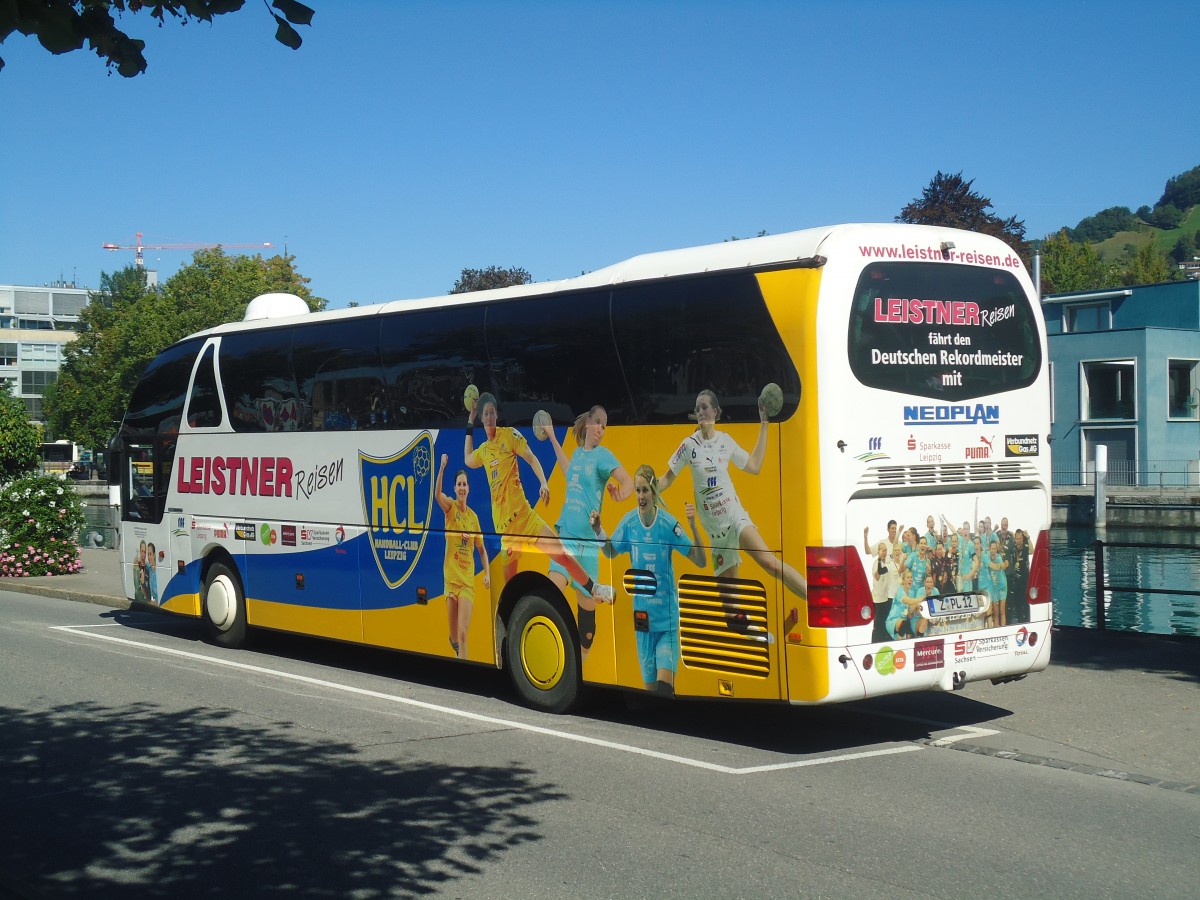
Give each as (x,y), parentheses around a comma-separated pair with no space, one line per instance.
(1155,474)
(1103,588)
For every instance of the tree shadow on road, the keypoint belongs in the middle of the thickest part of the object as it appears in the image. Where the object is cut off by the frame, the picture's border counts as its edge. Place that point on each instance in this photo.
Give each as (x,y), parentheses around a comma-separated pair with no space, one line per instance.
(131,799)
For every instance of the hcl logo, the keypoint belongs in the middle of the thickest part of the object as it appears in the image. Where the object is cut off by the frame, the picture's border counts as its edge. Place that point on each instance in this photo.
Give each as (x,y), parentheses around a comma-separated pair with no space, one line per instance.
(875,444)
(397,494)
(952,414)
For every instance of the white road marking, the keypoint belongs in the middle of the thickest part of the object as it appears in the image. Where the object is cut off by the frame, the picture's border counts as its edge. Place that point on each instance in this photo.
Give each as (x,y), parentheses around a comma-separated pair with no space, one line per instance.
(969,731)
(972,731)
(491,720)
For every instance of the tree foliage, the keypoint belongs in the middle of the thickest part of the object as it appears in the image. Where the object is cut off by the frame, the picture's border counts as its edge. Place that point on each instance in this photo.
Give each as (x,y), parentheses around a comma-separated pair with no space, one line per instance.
(950,201)
(1184,249)
(491,277)
(1069,266)
(1182,191)
(101,365)
(65,25)
(1147,266)
(1071,262)
(1104,224)
(1166,217)
(126,324)
(20,439)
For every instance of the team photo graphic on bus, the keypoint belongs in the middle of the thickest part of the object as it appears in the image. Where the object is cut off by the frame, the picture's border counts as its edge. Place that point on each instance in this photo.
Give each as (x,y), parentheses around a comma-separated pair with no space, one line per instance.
(492,476)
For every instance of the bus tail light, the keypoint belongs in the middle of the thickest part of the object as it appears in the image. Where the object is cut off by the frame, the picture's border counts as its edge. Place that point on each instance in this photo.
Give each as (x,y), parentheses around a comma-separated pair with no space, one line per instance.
(838,593)
(1039,570)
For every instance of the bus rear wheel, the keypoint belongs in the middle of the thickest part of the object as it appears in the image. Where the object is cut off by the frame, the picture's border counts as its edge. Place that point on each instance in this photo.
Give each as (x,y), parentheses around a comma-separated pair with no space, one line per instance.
(541,656)
(224,606)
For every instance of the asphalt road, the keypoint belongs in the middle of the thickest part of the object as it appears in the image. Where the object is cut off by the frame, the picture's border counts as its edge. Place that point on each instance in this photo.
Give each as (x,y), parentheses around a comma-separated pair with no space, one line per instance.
(137,760)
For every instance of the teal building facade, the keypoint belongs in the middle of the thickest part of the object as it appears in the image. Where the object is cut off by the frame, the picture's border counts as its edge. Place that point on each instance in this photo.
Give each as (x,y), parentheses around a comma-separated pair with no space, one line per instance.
(1125,375)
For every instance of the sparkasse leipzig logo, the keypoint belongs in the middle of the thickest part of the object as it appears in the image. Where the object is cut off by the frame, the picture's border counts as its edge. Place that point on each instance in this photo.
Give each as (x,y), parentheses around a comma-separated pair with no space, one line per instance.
(397,494)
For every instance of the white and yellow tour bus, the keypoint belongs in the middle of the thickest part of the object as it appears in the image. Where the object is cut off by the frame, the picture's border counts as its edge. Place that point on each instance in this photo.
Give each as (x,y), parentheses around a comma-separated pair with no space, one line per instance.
(809,467)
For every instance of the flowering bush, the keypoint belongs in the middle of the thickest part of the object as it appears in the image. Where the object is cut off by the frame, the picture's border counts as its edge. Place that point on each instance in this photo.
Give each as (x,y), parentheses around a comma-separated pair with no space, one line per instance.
(39,518)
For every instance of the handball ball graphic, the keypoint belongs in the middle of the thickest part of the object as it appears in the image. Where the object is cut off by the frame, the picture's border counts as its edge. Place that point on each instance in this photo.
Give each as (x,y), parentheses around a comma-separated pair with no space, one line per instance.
(470,397)
(422,462)
(771,399)
(541,424)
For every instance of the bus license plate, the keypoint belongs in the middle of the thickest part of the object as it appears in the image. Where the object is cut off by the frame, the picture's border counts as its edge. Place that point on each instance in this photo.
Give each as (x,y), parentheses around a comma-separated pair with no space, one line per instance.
(942,606)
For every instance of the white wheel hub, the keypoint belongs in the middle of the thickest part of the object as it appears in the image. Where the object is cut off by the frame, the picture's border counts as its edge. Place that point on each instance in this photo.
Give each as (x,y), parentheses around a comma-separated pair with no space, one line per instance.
(221,602)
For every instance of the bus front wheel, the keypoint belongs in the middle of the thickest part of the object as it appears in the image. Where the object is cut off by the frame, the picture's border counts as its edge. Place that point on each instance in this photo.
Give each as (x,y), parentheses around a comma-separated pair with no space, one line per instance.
(224,606)
(541,656)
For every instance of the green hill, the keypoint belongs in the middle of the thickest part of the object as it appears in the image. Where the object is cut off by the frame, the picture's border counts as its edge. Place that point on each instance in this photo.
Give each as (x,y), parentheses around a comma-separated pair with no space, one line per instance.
(1119,233)
(1122,242)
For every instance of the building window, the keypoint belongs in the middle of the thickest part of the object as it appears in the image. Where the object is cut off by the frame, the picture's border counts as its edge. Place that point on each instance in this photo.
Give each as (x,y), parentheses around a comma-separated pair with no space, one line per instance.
(8,354)
(1088,317)
(39,353)
(1183,398)
(1109,390)
(35,383)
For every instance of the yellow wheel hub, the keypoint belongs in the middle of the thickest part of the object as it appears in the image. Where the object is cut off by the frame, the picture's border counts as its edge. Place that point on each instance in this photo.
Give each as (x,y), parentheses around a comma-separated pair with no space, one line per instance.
(543,655)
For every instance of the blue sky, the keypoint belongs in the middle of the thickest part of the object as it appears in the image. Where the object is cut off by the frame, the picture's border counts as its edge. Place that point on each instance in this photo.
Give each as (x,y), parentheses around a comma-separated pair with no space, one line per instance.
(407,140)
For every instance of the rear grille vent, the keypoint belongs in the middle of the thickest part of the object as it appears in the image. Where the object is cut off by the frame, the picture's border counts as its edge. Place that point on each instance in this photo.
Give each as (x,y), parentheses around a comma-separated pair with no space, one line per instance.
(1001,471)
(723,625)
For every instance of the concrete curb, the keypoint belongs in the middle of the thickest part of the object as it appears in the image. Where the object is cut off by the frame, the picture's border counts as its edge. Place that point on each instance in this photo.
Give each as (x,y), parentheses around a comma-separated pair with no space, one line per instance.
(43,590)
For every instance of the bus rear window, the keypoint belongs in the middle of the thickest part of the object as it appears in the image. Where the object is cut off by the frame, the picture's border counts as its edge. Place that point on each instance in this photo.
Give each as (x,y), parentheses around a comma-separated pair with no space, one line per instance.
(942,331)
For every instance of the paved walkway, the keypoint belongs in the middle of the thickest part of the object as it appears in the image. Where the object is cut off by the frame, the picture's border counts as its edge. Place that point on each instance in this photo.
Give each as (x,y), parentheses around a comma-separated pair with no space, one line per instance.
(99,582)
(1116,703)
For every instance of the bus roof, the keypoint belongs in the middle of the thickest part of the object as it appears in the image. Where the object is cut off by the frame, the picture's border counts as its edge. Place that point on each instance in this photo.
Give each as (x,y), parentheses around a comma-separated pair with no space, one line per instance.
(759,252)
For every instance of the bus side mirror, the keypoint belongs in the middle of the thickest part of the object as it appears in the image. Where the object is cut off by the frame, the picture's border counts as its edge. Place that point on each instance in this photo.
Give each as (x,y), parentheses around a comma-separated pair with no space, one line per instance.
(114,461)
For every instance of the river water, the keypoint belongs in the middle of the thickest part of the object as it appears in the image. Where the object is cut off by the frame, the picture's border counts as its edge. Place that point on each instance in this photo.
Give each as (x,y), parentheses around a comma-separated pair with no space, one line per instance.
(1072,562)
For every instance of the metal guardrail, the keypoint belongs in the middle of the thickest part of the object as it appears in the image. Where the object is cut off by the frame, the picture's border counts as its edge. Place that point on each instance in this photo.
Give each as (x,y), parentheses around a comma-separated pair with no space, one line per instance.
(1154,474)
(1102,587)
(1162,475)
(100,528)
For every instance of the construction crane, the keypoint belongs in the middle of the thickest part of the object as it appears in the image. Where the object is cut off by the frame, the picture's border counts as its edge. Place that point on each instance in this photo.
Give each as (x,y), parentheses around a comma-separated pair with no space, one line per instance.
(140,261)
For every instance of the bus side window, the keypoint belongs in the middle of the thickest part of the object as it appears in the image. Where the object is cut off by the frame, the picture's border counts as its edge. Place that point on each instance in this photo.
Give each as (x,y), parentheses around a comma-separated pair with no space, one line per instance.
(339,376)
(718,335)
(556,353)
(204,406)
(256,375)
(429,357)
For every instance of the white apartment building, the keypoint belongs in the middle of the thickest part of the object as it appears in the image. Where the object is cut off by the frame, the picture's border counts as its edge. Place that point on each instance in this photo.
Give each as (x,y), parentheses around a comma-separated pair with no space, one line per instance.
(36,324)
